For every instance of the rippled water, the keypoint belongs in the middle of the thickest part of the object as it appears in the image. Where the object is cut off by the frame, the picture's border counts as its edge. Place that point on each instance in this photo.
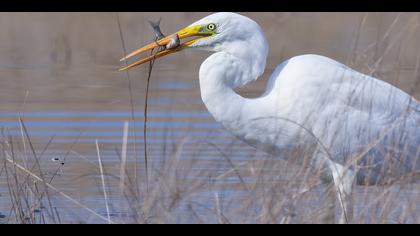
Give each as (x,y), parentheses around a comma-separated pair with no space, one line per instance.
(73,137)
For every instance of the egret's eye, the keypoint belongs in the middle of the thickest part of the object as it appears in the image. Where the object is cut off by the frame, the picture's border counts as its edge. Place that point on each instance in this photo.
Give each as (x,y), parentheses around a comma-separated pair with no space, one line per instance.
(211,26)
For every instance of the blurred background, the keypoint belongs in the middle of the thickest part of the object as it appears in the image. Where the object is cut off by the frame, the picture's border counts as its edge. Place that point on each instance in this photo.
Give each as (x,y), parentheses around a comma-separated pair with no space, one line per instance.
(71,59)
(59,73)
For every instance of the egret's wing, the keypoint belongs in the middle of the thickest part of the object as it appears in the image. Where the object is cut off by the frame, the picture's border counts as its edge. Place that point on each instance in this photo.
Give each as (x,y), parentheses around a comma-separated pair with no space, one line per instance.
(354,115)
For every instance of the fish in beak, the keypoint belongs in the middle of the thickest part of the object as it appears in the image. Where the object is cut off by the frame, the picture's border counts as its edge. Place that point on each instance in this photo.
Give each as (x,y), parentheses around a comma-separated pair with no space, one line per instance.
(156,28)
(171,44)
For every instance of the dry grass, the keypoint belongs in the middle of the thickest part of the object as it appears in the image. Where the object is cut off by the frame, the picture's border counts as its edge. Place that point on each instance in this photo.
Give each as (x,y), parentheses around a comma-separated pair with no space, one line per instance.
(181,190)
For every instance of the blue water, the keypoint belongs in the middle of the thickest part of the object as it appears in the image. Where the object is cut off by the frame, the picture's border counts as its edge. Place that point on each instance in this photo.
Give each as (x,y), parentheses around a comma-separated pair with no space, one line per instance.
(196,161)
(78,132)
(105,114)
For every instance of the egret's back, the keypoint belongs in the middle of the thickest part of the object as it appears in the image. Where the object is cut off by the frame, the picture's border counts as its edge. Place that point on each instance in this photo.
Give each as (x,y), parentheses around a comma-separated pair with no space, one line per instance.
(357,118)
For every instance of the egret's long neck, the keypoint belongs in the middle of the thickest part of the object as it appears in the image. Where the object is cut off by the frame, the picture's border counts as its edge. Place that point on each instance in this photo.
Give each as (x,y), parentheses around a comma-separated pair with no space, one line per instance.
(231,67)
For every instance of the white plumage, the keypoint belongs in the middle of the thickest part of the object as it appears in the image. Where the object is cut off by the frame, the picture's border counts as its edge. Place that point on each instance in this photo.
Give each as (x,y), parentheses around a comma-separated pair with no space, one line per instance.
(354,126)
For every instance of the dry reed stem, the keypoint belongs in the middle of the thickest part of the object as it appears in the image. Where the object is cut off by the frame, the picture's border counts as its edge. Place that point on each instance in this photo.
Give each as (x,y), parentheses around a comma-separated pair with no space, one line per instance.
(103,181)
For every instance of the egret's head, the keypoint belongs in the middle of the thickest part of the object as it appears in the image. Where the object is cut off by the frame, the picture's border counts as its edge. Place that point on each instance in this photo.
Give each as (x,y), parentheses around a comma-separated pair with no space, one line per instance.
(217,32)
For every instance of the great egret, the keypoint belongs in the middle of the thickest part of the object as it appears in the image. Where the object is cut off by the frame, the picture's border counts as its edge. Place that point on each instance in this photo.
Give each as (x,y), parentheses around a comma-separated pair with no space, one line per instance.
(361,129)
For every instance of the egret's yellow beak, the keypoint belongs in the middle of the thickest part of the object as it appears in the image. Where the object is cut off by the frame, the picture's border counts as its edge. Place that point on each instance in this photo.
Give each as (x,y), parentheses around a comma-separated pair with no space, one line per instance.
(194,33)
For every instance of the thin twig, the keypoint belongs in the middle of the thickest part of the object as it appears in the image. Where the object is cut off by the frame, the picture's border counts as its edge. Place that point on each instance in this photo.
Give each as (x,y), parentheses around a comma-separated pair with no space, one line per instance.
(146,102)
